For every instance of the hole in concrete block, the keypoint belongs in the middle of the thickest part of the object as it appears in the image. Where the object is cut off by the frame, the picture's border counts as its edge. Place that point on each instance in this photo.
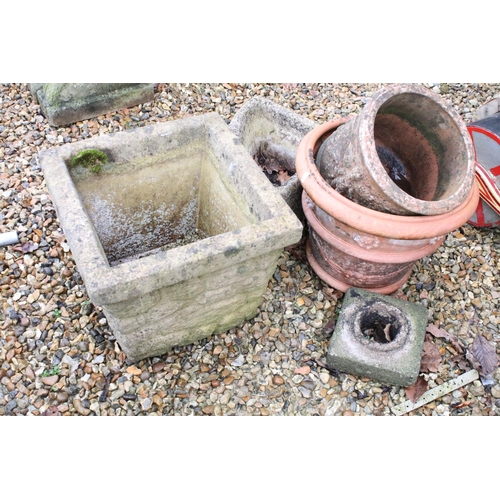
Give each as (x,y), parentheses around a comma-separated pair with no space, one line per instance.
(378,327)
(380,324)
(158,202)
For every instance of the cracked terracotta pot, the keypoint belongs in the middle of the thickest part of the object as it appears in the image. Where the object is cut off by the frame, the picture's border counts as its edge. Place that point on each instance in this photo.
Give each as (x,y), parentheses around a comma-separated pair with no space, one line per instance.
(406,153)
(350,245)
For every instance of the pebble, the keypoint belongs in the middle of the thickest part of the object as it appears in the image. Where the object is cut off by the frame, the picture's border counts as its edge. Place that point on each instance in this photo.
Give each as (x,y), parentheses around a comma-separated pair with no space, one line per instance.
(51,380)
(303,370)
(77,403)
(146,404)
(269,365)
(133,370)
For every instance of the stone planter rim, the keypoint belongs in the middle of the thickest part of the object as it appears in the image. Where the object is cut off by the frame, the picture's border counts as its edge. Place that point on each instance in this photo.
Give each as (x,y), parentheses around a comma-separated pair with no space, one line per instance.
(362,218)
(376,169)
(111,284)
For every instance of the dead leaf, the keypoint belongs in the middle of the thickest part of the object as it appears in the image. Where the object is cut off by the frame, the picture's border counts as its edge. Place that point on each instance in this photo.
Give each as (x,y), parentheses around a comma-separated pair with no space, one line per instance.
(457,406)
(283,176)
(485,354)
(332,295)
(441,333)
(322,364)
(399,294)
(431,357)
(460,361)
(387,332)
(52,411)
(27,247)
(330,325)
(414,391)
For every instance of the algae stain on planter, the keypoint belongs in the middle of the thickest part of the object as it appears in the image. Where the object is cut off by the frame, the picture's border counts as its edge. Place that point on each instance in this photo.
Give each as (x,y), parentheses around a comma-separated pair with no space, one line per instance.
(232,251)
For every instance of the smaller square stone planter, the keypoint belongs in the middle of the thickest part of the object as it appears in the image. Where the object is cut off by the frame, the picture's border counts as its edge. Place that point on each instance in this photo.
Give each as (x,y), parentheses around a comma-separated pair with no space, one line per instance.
(271,134)
(379,337)
(177,236)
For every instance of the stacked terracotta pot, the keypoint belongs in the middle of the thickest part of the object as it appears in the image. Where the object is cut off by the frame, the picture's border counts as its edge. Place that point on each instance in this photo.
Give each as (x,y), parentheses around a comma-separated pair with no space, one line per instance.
(383,189)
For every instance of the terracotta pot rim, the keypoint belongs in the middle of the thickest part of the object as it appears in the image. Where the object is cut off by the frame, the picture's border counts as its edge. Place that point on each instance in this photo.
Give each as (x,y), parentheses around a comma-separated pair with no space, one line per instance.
(343,286)
(362,218)
(377,171)
(429,245)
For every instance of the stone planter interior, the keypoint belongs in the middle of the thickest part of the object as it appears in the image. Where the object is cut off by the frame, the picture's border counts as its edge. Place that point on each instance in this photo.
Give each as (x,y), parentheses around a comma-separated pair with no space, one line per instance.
(140,207)
(177,236)
(271,134)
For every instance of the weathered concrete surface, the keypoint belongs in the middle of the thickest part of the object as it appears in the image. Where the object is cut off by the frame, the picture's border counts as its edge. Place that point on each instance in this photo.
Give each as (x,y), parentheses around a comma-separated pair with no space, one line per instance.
(275,132)
(171,180)
(65,103)
(353,349)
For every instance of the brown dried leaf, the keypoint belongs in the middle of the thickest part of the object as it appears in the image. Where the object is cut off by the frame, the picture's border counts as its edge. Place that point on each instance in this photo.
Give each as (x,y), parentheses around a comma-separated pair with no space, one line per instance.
(283,176)
(332,294)
(52,411)
(399,294)
(413,392)
(472,360)
(460,361)
(441,333)
(27,247)
(431,357)
(330,325)
(485,354)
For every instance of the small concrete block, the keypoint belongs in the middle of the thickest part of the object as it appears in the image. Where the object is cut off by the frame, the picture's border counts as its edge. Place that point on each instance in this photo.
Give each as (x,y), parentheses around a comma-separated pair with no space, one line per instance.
(379,337)
(65,103)
(268,130)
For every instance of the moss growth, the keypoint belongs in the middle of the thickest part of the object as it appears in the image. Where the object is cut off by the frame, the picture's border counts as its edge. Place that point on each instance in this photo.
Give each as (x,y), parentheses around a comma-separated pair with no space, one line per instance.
(52,92)
(93,159)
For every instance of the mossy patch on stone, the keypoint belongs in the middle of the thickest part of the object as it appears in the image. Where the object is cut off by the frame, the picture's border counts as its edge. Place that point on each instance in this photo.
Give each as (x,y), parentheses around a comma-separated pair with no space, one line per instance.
(93,159)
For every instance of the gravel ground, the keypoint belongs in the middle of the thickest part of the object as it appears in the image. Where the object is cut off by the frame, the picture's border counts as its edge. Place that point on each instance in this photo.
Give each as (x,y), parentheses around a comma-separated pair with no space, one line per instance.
(58,356)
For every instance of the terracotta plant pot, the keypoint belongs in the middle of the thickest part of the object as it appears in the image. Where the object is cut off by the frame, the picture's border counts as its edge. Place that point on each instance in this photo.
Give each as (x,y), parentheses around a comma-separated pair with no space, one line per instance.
(351,245)
(406,153)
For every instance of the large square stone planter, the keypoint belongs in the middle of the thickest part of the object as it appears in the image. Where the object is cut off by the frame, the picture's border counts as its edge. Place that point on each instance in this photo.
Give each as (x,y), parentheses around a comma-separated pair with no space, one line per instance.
(177,237)
(272,133)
